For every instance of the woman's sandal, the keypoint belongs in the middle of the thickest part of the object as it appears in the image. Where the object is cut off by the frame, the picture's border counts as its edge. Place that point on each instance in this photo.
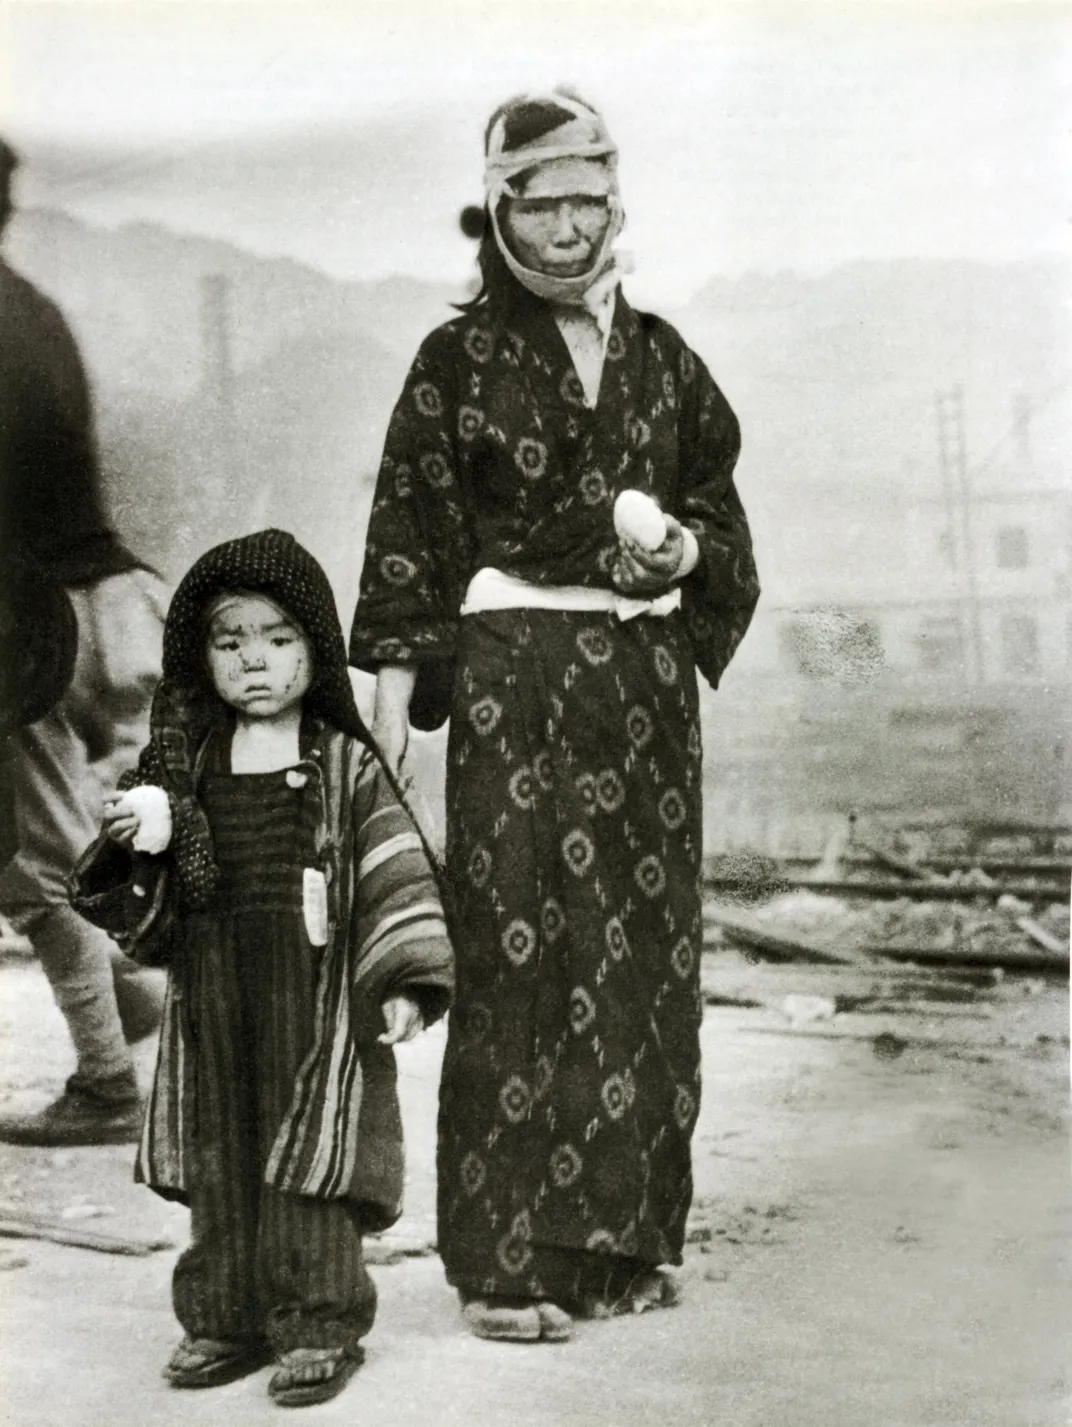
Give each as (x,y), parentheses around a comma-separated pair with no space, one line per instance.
(556,1325)
(212,1362)
(656,1289)
(309,1375)
(506,1322)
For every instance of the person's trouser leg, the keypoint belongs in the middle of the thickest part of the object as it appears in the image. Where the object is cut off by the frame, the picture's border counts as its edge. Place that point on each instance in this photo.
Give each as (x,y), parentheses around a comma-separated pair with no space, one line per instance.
(63,766)
(57,806)
(101,1103)
(311,1274)
(77,959)
(213,1286)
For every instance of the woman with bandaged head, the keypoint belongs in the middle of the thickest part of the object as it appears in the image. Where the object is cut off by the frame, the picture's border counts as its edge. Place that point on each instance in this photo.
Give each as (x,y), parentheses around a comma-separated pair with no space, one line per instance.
(555,548)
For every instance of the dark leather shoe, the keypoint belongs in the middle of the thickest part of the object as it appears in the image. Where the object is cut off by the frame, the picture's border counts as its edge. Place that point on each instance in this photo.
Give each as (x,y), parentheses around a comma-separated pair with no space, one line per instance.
(78,1117)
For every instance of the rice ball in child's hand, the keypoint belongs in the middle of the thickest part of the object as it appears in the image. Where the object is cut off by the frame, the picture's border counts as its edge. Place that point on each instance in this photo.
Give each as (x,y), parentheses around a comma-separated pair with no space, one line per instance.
(638,518)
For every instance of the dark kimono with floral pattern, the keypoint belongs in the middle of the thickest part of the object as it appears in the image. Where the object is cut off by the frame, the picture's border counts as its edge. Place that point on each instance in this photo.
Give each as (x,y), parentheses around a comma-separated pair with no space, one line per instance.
(571,1080)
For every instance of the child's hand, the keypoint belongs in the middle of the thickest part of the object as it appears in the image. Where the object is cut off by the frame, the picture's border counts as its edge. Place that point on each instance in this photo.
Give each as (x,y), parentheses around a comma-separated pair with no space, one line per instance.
(139,819)
(403,1018)
(121,822)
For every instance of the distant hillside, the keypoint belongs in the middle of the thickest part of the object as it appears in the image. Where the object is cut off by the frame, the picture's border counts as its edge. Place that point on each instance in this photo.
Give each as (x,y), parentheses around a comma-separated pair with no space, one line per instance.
(834,380)
(318,365)
(134,295)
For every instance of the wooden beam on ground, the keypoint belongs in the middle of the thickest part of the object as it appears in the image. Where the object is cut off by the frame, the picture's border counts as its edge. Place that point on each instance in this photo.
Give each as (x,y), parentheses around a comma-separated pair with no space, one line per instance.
(886,888)
(1057,867)
(1041,937)
(892,860)
(14,1224)
(747,932)
(1029,959)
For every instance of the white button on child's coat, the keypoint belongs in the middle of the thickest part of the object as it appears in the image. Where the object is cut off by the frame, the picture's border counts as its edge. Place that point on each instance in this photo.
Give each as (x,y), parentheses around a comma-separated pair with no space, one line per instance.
(296,779)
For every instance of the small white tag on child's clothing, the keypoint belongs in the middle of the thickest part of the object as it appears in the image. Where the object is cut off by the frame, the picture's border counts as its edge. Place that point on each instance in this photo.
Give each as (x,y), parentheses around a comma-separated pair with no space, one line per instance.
(315,905)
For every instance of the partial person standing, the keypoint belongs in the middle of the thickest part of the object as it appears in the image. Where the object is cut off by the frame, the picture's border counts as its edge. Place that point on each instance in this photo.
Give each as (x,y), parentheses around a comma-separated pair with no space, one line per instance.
(496,589)
(62,755)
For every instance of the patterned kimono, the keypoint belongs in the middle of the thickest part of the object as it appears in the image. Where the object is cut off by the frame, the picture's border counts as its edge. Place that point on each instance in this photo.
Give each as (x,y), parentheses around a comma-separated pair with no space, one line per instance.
(571,1081)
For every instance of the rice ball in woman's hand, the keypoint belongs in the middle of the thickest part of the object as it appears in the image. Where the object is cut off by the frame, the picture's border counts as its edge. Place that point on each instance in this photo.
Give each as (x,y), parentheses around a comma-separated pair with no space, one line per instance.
(638,518)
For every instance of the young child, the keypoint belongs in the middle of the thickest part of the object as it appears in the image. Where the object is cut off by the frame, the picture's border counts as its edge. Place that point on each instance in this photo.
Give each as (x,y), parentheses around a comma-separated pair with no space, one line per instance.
(305,938)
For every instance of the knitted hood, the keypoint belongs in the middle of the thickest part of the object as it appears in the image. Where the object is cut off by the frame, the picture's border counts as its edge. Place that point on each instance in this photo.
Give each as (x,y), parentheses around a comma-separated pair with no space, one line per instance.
(270,563)
(186,707)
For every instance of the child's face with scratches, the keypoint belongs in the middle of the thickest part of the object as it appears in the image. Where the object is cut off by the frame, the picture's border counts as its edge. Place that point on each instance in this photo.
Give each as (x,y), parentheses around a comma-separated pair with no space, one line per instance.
(259,659)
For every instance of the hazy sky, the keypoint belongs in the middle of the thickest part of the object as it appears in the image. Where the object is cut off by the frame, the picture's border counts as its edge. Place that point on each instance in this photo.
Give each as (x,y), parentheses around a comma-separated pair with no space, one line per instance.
(755,136)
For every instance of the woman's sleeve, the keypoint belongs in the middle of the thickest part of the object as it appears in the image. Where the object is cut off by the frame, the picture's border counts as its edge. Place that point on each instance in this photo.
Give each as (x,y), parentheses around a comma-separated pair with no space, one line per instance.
(398,925)
(719,596)
(415,553)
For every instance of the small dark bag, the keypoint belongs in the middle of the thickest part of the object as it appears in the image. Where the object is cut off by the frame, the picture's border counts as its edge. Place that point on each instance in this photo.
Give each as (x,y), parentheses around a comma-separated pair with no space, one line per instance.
(127,894)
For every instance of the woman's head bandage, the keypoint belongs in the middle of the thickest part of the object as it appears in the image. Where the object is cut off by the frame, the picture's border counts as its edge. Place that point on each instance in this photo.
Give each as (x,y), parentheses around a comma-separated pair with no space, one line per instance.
(536,129)
(561,143)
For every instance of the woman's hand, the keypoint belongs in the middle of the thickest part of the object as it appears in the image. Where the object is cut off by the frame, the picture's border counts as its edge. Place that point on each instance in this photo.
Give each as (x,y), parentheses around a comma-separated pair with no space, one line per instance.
(403,1019)
(650,572)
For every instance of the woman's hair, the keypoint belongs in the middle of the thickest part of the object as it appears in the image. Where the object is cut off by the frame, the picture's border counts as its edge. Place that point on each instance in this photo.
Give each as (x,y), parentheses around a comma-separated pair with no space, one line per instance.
(496,279)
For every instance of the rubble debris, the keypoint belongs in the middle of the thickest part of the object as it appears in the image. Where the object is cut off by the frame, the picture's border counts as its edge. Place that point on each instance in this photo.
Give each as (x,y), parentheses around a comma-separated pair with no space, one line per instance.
(388,1249)
(1054,866)
(86,1211)
(745,878)
(712,1223)
(904,865)
(957,887)
(1020,912)
(888,1046)
(803,1010)
(1020,959)
(905,929)
(747,932)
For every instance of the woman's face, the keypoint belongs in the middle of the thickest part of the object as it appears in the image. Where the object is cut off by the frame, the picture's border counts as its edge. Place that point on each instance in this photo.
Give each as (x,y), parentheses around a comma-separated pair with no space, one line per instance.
(560,236)
(259,660)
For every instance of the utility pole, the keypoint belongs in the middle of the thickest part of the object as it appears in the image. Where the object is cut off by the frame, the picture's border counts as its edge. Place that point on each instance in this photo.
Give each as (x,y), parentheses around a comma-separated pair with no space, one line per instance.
(218,368)
(956,487)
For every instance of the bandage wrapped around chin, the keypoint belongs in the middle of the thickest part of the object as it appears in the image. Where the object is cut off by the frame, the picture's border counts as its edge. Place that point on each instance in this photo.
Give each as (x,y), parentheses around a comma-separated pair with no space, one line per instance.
(151,807)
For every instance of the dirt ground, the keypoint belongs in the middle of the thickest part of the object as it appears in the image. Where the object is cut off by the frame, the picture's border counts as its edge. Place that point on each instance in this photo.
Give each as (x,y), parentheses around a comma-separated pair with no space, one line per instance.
(880,1239)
